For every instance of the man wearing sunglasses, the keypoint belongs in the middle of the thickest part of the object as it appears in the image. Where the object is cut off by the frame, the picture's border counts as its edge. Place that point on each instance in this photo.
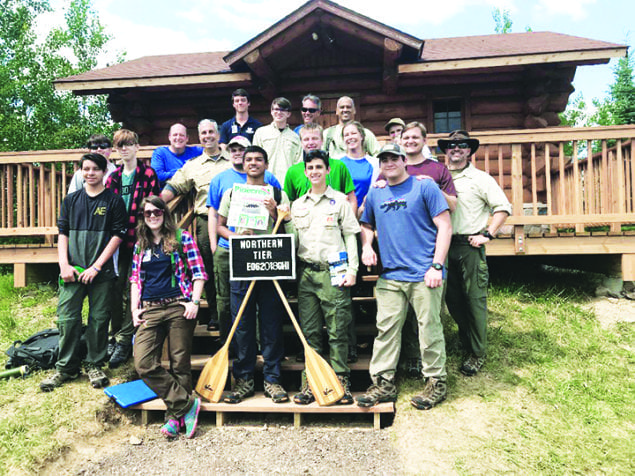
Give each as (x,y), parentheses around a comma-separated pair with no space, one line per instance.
(281,143)
(100,144)
(311,109)
(466,293)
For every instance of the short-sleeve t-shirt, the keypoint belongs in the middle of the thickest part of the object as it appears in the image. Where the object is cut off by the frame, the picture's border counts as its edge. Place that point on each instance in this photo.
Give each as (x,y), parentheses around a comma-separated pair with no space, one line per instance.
(127,188)
(296,183)
(403,217)
(364,172)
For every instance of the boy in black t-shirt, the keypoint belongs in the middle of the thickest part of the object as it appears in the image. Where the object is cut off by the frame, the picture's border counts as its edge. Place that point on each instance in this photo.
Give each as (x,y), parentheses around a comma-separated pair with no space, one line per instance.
(92,224)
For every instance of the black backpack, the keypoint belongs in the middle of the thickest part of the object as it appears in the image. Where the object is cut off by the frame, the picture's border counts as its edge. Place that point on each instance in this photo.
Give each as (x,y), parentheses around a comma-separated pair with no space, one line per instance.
(38,352)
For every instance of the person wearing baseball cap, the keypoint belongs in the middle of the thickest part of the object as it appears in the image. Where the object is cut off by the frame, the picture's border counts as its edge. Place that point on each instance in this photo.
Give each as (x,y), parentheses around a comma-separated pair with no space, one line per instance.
(466,290)
(395,127)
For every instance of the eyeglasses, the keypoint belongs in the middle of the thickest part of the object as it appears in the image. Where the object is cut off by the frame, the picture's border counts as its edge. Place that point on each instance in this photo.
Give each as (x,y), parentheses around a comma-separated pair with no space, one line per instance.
(157,212)
(99,146)
(460,145)
(125,144)
(311,110)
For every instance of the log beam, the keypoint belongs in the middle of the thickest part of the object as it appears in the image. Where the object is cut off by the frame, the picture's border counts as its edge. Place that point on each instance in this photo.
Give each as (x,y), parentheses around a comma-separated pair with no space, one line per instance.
(392,52)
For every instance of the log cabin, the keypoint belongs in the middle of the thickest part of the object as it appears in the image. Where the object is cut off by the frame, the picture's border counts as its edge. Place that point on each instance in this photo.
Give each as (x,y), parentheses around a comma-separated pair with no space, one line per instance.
(507,90)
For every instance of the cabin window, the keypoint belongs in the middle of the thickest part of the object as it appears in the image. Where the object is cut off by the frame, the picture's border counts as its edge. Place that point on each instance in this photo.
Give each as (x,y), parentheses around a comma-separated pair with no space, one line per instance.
(447,116)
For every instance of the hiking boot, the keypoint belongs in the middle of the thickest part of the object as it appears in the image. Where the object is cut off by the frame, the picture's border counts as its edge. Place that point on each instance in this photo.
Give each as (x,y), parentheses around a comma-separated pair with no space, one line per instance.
(383,391)
(120,355)
(96,376)
(434,392)
(347,399)
(352,356)
(243,388)
(56,380)
(472,365)
(110,349)
(305,396)
(414,368)
(276,392)
(190,419)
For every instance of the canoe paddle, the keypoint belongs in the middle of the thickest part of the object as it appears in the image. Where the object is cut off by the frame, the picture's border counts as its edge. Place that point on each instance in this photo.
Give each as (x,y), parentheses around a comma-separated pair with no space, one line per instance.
(211,383)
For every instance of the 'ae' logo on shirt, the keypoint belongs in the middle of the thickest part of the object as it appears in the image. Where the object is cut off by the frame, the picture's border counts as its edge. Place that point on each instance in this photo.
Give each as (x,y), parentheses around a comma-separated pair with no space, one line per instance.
(101,211)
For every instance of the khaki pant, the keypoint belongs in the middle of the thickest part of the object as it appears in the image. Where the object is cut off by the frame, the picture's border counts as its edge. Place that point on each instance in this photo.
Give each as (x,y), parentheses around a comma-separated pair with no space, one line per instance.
(392,304)
(173,386)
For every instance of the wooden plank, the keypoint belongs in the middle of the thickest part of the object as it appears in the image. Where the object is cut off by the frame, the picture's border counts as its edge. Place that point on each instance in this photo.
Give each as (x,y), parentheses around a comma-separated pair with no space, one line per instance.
(29,231)
(32,188)
(628,267)
(561,180)
(10,176)
(3,198)
(28,255)
(288,364)
(589,180)
(19,198)
(517,179)
(534,193)
(19,275)
(566,245)
(577,189)
(604,201)
(548,179)
(571,219)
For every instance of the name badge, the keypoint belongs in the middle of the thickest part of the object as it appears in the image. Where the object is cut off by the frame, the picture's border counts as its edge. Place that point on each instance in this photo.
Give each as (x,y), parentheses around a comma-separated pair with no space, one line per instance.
(234,129)
(147,256)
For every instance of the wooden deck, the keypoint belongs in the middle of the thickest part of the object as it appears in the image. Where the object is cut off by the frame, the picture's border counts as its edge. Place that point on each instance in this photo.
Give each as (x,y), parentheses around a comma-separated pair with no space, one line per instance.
(566,200)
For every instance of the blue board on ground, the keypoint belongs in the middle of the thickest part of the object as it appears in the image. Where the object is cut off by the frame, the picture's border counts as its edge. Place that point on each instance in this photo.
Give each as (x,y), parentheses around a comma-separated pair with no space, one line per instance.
(130,393)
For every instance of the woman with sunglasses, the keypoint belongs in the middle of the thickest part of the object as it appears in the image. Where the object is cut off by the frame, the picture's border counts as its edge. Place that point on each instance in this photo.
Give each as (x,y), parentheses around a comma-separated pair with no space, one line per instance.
(165,295)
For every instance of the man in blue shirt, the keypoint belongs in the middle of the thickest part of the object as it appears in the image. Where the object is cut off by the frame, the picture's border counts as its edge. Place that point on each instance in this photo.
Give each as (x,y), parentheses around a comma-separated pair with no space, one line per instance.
(220,246)
(166,160)
(412,273)
(241,124)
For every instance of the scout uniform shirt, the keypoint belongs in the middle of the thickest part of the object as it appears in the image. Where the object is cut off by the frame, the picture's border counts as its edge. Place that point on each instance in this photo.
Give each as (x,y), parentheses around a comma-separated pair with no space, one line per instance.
(322,223)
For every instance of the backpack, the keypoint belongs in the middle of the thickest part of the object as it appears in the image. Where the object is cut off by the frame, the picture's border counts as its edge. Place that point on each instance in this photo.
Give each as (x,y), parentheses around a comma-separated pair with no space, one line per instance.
(40,350)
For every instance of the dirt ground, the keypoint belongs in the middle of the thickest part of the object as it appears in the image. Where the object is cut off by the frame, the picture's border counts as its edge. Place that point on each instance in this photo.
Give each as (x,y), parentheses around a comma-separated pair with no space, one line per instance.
(434,442)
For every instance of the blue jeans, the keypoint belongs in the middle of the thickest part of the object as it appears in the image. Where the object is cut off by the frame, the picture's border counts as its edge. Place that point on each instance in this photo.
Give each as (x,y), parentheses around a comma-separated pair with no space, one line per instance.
(264,303)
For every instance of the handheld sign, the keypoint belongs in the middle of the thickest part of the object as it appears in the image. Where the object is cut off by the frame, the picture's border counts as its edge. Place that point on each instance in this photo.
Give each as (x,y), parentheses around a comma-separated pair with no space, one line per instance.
(261,257)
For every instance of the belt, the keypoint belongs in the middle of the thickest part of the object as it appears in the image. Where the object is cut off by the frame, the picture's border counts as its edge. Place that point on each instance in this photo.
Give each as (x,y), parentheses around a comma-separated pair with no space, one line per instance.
(461,239)
(315,266)
(162,302)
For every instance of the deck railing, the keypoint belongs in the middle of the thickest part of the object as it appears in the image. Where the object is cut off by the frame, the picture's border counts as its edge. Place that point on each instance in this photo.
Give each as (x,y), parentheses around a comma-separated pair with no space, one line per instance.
(548,174)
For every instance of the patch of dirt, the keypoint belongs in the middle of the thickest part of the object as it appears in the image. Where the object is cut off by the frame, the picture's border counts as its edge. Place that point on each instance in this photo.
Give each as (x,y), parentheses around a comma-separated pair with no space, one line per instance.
(610,311)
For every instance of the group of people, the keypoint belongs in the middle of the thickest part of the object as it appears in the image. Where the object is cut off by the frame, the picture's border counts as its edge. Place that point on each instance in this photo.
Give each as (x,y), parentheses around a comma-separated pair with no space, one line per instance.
(117,238)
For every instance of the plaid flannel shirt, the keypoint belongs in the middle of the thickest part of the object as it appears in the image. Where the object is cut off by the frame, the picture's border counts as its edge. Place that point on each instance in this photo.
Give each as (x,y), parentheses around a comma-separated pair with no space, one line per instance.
(194,261)
(145,184)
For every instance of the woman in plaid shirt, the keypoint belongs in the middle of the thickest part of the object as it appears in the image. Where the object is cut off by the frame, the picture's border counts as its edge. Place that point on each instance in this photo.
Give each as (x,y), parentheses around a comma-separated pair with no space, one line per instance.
(164,296)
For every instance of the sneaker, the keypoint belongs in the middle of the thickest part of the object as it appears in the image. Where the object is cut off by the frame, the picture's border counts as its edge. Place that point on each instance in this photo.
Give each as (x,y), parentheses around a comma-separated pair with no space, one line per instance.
(352,356)
(96,376)
(383,391)
(305,396)
(56,380)
(347,399)
(171,428)
(243,388)
(212,326)
(472,365)
(276,392)
(414,368)
(120,355)
(190,419)
(434,392)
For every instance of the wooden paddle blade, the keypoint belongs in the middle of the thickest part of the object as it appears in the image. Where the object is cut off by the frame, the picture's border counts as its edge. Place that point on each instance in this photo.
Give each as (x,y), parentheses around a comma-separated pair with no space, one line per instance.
(211,383)
(322,379)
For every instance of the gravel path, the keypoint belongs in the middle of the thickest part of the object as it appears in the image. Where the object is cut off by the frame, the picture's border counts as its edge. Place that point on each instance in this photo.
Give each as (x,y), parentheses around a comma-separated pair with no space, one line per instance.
(270,450)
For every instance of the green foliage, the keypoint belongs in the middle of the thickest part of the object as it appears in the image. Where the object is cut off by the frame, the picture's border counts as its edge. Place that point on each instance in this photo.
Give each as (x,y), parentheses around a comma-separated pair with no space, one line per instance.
(502,20)
(33,115)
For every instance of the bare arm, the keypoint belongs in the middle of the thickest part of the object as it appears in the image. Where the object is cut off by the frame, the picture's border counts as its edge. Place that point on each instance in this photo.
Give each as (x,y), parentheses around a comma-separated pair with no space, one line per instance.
(433,277)
(135,301)
(369,257)
(167,195)
(498,219)
(451,199)
(221,227)
(352,199)
(191,309)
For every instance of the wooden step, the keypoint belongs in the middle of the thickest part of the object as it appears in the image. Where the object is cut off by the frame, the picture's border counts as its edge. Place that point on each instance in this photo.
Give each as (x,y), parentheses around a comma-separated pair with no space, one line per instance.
(261,404)
(294,300)
(201,331)
(288,364)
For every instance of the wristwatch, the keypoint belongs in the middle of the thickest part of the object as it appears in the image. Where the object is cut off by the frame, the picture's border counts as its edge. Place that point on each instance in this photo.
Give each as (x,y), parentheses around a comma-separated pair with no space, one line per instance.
(487,234)
(196,302)
(437,266)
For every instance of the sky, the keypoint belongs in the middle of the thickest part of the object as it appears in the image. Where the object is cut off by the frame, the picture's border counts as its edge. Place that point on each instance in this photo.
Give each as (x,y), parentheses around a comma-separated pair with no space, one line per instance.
(156,27)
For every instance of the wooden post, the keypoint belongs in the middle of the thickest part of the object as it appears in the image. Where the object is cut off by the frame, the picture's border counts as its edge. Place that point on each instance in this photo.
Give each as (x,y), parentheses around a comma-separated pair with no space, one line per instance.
(578,199)
(589,179)
(10,196)
(19,275)
(220,419)
(534,193)
(517,196)
(548,181)
(32,187)
(297,420)
(628,267)
(604,201)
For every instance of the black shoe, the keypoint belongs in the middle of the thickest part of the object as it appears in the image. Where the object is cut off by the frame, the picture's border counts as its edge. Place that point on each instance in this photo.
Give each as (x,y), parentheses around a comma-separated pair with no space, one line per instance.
(120,355)
(472,365)
(383,391)
(212,326)
(243,388)
(414,367)
(112,343)
(435,391)
(352,356)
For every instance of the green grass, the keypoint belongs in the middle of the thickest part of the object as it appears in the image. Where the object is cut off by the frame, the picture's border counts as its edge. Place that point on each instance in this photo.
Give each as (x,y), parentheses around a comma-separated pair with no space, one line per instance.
(557,388)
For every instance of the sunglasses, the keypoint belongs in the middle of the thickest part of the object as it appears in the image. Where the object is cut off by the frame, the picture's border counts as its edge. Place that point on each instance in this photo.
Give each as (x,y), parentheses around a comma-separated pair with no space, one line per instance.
(99,146)
(157,212)
(279,109)
(312,110)
(460,145)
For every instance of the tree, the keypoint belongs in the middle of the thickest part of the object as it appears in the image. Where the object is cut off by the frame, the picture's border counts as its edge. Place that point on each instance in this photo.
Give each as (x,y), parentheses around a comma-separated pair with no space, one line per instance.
(33,115)
(502,20)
